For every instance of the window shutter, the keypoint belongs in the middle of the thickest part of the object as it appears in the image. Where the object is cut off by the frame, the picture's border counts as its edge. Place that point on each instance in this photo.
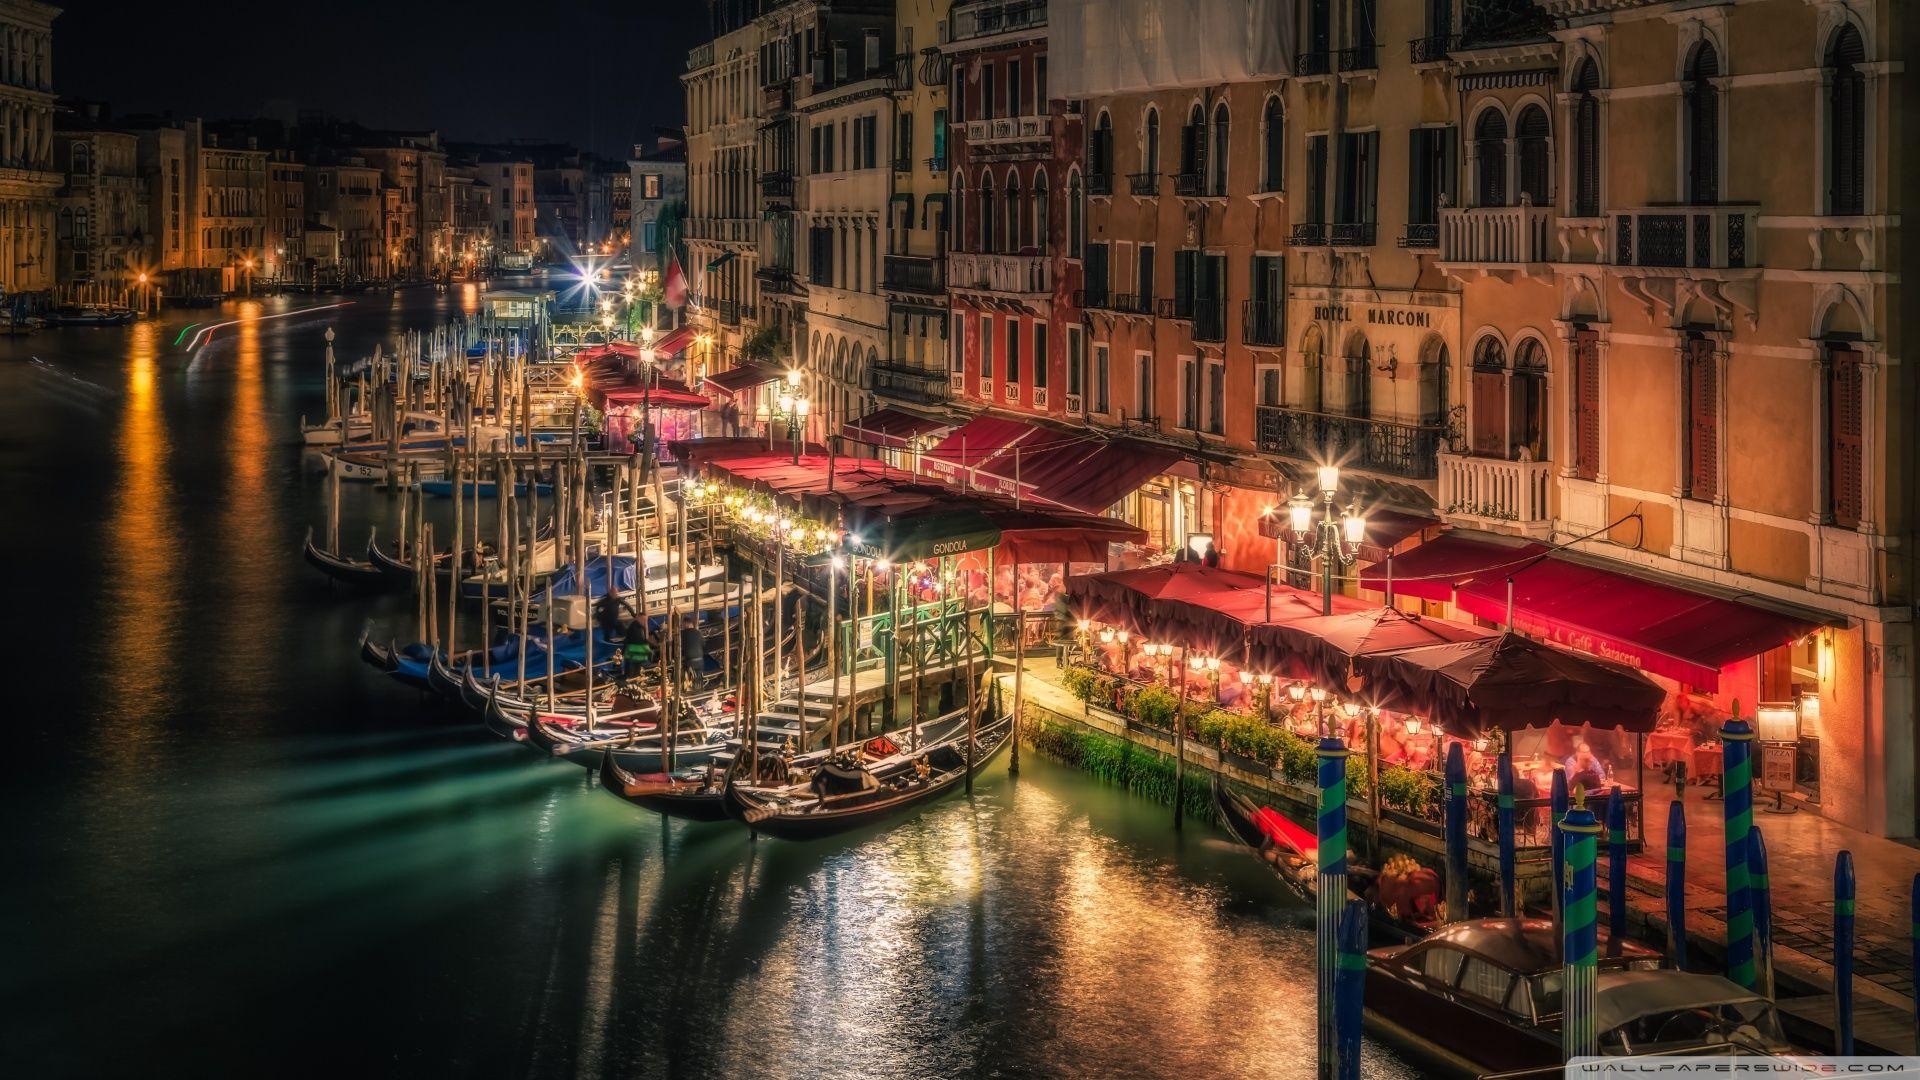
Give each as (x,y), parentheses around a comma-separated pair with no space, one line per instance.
(1703,410)
(1845,435)
(1703,105)
(1183,267)
(1846,128)
(1490,414)
(1586,404)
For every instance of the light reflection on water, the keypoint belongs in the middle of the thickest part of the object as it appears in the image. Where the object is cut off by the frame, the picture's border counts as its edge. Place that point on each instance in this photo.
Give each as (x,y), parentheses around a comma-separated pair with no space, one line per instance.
(234,848)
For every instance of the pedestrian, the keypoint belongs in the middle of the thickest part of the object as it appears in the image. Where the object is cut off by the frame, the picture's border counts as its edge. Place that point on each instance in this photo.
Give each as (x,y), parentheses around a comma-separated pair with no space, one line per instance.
(693,653)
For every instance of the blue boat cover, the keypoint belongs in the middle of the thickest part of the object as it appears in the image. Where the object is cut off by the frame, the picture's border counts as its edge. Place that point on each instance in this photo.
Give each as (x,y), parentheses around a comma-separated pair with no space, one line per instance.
(566,584)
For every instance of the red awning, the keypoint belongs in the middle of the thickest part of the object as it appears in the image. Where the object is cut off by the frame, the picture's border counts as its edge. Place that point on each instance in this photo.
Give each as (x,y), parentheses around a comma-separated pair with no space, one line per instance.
(1387,528)
(1431,570)
(976,442)
(1320,648)
(1510,682)
(891,427)
(745,377)
(658,398)
(1669,630)
(1208,608)
(1094,476)
(674,342)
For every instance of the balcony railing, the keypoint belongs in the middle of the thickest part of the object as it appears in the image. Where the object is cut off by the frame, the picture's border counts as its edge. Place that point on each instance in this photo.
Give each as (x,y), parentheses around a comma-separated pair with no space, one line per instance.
(1421,235)
(776,185)
(728,311)
(1009,129)
(903,164)
(700,56)
(1696,237)
(1189,185)
(1353,234)
(1143,183)
(1360,57)
(1140,425)
(1263,322)
(903,383)
(915,274)
(1318,62)
(1004,16)
(777,281)
(1495,490)
(1382,446)
(984,272)
(1209,319)
(1432,50)
(1125,303)
(776,99)
(1308,234)
(901,77)
(1496,234)
(731,230)
(1099,183)
(937,163)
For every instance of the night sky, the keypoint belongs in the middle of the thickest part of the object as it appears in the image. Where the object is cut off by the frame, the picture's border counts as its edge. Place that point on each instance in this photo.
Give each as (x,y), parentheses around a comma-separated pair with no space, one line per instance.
(599,74)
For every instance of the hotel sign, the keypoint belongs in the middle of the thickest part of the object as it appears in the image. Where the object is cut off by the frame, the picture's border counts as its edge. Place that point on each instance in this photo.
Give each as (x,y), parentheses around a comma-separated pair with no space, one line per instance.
(1374,316)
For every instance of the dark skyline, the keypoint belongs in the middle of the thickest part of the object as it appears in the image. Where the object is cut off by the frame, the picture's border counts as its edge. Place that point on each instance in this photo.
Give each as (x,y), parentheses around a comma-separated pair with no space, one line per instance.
(563,70)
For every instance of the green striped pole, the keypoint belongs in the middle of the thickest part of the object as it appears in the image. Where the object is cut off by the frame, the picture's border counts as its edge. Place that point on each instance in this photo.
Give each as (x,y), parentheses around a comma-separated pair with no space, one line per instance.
(1350,989)
(1509,906)
(1616,872)
(1330,892)
(1762,892)
(1580,948)
(1843,892)
(1456,833)
(1677,885)
(1736,741)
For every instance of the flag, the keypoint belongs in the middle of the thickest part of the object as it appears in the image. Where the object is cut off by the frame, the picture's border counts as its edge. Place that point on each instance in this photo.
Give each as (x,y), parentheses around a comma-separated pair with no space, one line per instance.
(723,260)
(675,286)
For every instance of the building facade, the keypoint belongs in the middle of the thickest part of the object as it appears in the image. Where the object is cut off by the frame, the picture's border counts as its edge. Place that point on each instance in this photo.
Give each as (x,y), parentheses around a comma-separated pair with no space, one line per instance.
(514,216)
(912,369)
(102,224)
(29,178)
(659,186)
(286,254)
(723,226)
(346,196)
(233,209)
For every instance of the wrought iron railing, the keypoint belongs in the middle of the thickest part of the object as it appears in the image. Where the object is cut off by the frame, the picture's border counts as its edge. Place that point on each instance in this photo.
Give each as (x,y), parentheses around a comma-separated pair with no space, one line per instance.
(1421,235)
(776,185)
(1353,234)
(1315,62)
(1189,185)
(1381,446)
(1100,183)
(1432,50)
(1364,57)
(1700,237)
(1209,319)
(1263,322)
(908,383)
(1143,183)
(1308,234)
(915,274)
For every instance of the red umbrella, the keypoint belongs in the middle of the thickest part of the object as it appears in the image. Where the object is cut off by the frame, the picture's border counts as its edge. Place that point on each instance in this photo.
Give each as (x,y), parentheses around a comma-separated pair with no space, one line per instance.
(1510,682)
(1322,648)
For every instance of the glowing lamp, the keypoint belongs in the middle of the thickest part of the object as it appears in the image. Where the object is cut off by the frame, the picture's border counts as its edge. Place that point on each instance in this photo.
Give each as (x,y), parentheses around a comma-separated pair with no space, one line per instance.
(793,377)
(1329,479)
(1246,677)
(1413,725)
(1200,544)
(1298,691)
(801,405)
(1300,515)
(1125,635)
(1355,525)
(1213,663)
(1319,694)
(1106,635)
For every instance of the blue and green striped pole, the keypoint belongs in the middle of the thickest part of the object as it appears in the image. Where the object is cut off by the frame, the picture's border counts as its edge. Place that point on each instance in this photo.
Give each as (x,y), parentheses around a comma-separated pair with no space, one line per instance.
(1736,784)
(1762,891)
(1616,872)
(1677,885)
(1843,954)
(1330,888)
(1456,833)
(1508,905)
(1350,988)
(1557,810)
(1581,939)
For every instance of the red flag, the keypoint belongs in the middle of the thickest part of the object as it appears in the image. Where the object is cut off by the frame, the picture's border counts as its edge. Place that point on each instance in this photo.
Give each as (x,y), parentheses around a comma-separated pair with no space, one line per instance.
(675,287)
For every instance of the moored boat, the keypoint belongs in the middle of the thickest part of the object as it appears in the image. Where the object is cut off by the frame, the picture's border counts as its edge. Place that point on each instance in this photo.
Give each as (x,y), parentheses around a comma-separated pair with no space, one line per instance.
(358,573)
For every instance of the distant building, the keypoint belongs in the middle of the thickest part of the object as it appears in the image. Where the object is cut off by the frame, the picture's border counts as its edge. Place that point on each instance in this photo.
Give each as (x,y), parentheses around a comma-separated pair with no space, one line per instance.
(470,227)
(169,163)
(514,216)
(102,223)
(286,255)
(345,195)
(659,181)
(233,208)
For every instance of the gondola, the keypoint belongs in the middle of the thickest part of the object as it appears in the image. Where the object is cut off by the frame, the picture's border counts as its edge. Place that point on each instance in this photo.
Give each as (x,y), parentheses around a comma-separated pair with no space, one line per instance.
(1289,851)
(696,794)
(398,566)
(358,574)
(876,783)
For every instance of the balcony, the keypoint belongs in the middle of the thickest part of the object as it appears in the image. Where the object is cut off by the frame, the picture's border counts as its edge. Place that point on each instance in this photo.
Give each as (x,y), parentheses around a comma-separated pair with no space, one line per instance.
(777,281)
(914,274)
(1099,183)
(1147,426)
(1121,303)
(1496,234)
(1189,185)
(1420,235)
(1360,58)
(776,185)
(728,312)
(992,17)
(1308,234)
(1263,322)
(937,164)
(1495,492)
(902,383)
(725,230)
(1209,319)
(700,56)
(1319,62)
(1387,447)
(1030,275)
(1143,183)
(776,99)
(1689,237)
(901,77)
(903,164)
(1007,130)
(1433,50)
(1353,234)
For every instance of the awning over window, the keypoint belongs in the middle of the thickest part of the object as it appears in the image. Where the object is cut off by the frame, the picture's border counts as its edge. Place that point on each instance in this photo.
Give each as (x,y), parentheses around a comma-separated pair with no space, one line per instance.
(1387,528)
(1510,682)
(1669,630)
(978,441)
(1431,570)
(745,377)
(674,342)
(658,398)
(891,427)
(1093,476)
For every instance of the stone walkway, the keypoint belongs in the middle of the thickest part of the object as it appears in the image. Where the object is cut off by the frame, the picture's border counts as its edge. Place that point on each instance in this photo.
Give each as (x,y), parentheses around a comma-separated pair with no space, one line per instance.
(1800,855)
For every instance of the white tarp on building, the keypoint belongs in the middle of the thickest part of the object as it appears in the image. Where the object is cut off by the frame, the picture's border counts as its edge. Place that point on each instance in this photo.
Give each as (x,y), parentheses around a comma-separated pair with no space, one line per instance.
(1098,47)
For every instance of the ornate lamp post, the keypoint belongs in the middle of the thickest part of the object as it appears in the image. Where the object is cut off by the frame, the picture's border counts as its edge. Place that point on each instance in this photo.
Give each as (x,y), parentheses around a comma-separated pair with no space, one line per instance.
(1336,538)
(794,407)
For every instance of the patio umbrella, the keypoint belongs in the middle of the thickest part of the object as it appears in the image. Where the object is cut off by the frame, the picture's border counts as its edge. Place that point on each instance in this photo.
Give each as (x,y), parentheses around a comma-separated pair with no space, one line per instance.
(1322,648)
(1510,682)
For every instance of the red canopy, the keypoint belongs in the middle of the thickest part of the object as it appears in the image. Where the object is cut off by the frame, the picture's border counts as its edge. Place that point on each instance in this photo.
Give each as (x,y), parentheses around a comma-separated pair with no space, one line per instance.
(675,341)
(973,444)
(745,377)
(1430,570)
(1090,476)
(1510,682)
(1320,648)
(1208,607)
(658,398)
(892,427)
(1682,634)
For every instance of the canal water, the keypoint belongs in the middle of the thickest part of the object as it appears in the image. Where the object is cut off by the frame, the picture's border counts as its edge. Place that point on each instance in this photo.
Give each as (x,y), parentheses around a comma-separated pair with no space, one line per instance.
(232,849)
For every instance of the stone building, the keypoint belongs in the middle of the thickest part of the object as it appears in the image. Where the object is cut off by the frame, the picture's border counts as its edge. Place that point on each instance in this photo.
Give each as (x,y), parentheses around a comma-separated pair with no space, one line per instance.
(28,177)
(723,225)
(102,223)
(659,181)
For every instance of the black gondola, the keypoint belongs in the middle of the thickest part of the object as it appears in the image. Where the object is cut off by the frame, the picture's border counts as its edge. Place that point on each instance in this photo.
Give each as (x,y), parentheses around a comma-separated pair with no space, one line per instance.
(690,794)
(359,575)
(846,792)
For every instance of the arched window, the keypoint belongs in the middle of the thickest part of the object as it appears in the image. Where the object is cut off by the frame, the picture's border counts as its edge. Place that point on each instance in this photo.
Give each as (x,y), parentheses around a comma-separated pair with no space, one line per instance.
(1536,162)
(1273,132)
(1358,398)
(1846,123)
(1490,398)
(1527,396)
(1310,397)
(1040,199)
(987,239)
(1703,126)
(1150,159)
(1434,361)
(1100,154)
(1019,230)
(1490,153)
(1074,212)
(956,217)
(1586,140)
(1217,184)
(1193,152)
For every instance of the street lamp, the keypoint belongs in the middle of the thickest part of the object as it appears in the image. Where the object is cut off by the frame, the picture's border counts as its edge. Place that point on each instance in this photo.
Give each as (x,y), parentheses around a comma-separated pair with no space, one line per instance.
(794,407)
(1336,538)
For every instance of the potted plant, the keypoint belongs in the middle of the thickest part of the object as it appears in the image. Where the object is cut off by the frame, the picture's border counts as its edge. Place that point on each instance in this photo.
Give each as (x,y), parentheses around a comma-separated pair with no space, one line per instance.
(1155,707)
